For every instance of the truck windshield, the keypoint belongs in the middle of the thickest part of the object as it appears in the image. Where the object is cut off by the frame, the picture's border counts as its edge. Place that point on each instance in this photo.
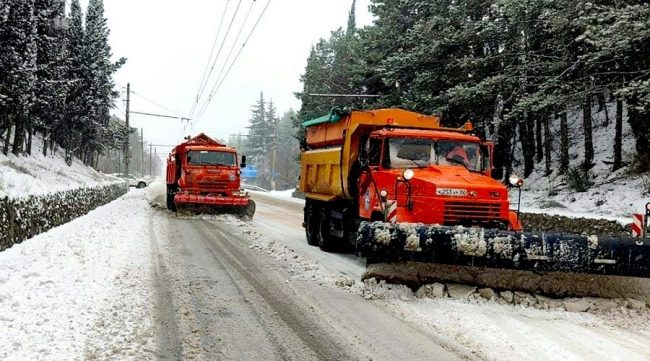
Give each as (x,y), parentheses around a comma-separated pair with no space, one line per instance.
(419,152)
(204,157)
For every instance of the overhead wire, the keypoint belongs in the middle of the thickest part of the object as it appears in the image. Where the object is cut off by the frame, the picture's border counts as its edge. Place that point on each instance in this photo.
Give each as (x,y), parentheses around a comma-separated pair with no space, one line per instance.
(234,43)
(207,64)
(220,82)
(156,103)
(216,58)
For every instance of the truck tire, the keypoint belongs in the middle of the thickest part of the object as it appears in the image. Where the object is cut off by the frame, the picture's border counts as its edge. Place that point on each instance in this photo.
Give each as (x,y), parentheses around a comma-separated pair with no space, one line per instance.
(249,210)
(311,227)
(141,185)
(170,199)
(326,241)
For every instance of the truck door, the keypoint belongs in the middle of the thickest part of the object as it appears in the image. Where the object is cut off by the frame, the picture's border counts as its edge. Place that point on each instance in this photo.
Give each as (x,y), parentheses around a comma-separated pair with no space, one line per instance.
(371,156)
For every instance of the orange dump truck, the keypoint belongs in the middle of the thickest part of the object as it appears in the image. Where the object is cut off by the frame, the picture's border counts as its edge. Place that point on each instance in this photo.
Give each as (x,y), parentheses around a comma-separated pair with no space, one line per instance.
(398,186)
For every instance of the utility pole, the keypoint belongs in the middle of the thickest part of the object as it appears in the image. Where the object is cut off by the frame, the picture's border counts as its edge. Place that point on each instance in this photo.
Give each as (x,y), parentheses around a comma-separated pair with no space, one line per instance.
(128,132)
(275,153)
(142,152)
(150,161)
(155,158)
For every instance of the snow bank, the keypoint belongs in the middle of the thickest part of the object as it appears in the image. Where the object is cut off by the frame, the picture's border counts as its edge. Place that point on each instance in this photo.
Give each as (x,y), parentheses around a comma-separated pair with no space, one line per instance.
(614,196)
(39,175)
(283,195)
(80,290)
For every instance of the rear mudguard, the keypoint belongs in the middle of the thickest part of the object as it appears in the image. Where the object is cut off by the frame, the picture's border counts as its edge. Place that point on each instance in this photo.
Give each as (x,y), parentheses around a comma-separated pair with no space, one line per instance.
(492,248)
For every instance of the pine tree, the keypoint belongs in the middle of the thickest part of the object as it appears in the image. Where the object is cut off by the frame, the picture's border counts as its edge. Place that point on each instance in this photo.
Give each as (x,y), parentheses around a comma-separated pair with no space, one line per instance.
(51,64)
(19,63)
(352,19)
(5,122)
(100,77)
(258,142)
(77,109)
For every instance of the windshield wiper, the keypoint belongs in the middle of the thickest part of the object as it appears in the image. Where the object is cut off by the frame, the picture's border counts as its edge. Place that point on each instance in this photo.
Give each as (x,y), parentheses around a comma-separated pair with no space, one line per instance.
(417,164)
(458,161)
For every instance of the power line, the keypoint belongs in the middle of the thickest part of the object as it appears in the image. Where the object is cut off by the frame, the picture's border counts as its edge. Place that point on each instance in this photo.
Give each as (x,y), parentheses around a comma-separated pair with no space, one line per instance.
(223,42)
(234,43)
(159,115)
(218,84)
(156,103)
(207,65)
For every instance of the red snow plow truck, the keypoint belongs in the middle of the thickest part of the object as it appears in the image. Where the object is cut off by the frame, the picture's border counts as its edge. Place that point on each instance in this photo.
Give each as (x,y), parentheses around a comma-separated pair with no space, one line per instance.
(203,176)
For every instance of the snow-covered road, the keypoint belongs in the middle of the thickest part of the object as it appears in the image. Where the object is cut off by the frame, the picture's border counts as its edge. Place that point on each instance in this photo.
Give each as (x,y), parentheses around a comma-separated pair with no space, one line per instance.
(131,281)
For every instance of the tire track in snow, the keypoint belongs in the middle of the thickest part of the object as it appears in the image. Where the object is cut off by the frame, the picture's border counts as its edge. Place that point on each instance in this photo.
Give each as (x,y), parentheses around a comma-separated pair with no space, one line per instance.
(169,344)
(291,314)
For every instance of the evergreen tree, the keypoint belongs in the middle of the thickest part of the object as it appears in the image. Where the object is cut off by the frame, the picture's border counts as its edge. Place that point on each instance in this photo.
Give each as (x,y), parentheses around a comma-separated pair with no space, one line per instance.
(258,142)
(99,77)
(18,46)
(77,109)
(51,64)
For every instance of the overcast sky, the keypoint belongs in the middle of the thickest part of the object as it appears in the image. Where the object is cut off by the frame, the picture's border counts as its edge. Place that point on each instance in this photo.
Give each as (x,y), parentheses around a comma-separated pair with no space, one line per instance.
(167,43)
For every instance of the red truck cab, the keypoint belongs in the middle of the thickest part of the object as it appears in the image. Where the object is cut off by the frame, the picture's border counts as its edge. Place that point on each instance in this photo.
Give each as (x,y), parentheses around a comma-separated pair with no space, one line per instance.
(435,177)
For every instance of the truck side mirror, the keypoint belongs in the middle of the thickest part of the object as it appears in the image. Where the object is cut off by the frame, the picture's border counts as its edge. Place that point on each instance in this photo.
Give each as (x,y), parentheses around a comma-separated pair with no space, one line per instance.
(497,173)
(243,162)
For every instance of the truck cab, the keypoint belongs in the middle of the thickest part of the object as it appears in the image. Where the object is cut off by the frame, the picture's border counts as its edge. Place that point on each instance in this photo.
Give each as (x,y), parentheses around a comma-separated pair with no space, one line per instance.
(209,170)
(432,177)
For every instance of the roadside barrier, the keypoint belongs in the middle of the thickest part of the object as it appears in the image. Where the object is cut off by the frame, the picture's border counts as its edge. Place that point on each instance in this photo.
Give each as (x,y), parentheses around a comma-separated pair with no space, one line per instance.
(25,217)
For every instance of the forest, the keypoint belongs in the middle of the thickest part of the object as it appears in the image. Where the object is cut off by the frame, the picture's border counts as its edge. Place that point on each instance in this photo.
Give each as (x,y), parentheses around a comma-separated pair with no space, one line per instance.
(511,66)
(56,79)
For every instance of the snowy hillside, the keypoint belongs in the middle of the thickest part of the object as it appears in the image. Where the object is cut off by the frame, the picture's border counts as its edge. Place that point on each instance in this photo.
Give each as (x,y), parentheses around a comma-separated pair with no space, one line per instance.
(614,195)
(38,174)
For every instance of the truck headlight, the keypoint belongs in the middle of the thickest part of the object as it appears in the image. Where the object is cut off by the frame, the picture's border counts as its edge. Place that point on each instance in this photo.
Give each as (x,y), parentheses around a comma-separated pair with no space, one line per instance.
(515,181)
(408,174)
(383,194)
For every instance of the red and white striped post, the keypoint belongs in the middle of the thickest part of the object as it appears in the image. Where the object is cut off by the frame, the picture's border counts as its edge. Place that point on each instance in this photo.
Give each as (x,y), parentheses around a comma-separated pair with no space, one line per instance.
(391,211)
(640,223)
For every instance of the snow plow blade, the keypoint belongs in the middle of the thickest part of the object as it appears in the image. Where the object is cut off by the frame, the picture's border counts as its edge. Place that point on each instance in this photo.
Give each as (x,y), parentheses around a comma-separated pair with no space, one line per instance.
(245,211)
(556,264)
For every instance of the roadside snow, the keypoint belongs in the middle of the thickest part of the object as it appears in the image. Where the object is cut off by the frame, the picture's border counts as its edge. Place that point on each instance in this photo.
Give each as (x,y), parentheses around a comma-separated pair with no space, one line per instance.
(38,175)
(80,290)
(614,196)
(284,195)
(492,330)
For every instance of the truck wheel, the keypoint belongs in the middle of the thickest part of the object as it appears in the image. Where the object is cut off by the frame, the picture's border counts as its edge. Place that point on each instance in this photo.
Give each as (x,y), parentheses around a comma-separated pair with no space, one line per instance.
(325,238)
(170,200)
(249,210)
(142,185)
(311,227)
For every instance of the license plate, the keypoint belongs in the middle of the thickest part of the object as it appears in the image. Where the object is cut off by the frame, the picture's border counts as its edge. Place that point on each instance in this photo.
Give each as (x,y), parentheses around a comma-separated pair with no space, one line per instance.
(451,192)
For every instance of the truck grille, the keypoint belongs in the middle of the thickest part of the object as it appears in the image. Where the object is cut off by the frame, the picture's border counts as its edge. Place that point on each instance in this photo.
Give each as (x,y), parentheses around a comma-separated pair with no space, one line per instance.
(455,211)
(214,183)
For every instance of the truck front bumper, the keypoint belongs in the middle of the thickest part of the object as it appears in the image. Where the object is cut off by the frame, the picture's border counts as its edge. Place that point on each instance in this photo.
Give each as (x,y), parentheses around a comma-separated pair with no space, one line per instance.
(212,200)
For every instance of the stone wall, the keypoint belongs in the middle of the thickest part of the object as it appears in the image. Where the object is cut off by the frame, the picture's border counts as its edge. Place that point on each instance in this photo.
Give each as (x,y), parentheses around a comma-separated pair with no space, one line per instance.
(23,218)
(558,224)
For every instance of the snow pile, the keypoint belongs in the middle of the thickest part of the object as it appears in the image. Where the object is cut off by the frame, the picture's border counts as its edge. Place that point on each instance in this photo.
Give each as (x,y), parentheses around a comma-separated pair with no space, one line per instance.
(80,290)
(39,175)
(614,195)
(282,195)
(503,332)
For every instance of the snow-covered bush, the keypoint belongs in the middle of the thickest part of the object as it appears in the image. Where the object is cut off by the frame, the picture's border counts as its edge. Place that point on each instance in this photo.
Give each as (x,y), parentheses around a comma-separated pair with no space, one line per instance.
(578,179)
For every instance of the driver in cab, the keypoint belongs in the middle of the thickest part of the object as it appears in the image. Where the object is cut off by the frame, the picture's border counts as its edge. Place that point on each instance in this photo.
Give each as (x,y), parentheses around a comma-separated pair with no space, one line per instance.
(458,155)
